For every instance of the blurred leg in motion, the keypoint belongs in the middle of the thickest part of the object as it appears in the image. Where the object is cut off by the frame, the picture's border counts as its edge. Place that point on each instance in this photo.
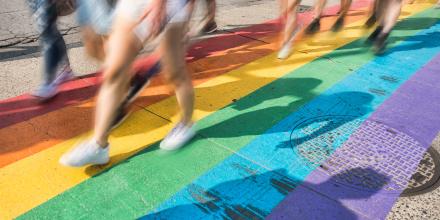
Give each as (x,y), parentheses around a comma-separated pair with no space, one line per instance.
(56,63)
(208,21)
(289,22)
(315,25)
(375,13)
(95,18)
(177,74)
(389,14)
(138,22)
(142,79)
(345,7)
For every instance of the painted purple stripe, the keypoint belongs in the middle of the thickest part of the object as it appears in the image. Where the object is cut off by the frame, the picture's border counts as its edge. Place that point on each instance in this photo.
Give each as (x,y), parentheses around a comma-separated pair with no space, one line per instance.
(413,109)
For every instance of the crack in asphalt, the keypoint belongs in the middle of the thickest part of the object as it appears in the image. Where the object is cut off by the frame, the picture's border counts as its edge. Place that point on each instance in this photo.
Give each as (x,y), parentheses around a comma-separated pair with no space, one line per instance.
(31,38)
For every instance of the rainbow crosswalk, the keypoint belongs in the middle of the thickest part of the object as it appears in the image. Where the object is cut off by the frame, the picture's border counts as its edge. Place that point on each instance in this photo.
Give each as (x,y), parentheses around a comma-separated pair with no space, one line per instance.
(251,109)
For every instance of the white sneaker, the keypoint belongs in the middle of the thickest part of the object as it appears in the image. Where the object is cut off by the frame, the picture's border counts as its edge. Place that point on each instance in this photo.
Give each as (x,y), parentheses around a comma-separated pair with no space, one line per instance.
(65,75)
(287,47)
(178,137)
(284,51)
(48,91)
(88,152)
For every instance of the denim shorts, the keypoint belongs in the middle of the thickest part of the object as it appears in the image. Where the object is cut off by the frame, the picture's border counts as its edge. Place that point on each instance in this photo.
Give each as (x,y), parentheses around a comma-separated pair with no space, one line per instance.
(97,14)
(177,11)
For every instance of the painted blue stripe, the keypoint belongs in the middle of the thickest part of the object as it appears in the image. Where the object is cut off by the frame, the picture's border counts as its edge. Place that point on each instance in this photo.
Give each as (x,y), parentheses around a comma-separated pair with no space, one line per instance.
(251,188)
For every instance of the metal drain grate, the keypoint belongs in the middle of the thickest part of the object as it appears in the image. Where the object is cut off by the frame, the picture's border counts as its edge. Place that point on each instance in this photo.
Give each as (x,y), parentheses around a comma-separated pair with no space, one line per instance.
(375,157)
(304,8)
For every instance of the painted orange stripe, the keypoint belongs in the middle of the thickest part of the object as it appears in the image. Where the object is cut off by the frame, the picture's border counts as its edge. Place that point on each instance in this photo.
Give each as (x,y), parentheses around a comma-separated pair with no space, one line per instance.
(47,130)
(65,123)
(24,107)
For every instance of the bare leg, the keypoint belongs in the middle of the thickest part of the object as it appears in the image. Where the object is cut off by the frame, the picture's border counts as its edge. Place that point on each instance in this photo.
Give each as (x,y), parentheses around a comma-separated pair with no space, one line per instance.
(290,25)
(392,12)
(315,25)
(94,43)
(123,48)
(389,11)
(176,71)
(177,74)
(208,24)
(211,9)
(291,22)
(345,7)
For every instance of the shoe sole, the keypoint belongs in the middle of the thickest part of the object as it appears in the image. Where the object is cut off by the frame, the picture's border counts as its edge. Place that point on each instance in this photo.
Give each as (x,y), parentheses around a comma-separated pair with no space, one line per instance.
(64,163)
(43,100)
(211,31)
(190,137)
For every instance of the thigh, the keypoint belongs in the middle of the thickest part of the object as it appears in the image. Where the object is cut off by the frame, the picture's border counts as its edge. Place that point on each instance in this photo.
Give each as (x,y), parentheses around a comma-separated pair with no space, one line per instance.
(123,47)
(173,51)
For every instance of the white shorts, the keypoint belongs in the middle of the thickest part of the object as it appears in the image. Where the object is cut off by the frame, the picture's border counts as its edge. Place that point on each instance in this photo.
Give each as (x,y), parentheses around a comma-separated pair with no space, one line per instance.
(177,11)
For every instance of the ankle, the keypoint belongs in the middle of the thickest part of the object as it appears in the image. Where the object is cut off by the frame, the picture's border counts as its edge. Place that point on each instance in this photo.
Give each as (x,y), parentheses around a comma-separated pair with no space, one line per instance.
(102,144)
(186,122)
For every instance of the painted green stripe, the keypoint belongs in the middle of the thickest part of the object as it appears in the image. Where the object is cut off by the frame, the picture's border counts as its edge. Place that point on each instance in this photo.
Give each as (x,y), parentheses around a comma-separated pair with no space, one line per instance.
(144,181)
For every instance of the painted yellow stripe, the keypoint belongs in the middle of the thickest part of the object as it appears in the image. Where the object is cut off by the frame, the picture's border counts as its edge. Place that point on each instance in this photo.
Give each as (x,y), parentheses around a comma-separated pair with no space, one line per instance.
(31,181)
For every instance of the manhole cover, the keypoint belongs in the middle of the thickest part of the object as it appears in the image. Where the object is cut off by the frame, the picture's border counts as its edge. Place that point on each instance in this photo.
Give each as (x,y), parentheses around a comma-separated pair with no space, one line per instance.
(427,176)
(375,157)
(317,138)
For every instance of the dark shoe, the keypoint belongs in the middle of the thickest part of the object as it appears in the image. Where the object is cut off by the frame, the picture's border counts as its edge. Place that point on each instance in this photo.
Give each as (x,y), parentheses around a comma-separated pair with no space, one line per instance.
(380,44)
(314,26)
(374,35)
(210,27)
(122,114)
(140,81)
(338,24)
(371,21)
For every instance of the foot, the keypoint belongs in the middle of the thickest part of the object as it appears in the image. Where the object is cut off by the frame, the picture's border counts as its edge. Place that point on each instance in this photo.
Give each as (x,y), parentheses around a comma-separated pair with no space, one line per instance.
(314,26)
(178,137)
(371,21)
(380,43)
(210,27)
(85,153)
(284,51)
(374,35)
(65,75)
(338,24)
(48,91)
(122,115)
(287,46)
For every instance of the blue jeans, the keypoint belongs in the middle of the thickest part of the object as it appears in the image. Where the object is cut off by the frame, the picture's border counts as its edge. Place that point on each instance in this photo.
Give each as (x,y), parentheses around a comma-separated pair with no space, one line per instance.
(53,45)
